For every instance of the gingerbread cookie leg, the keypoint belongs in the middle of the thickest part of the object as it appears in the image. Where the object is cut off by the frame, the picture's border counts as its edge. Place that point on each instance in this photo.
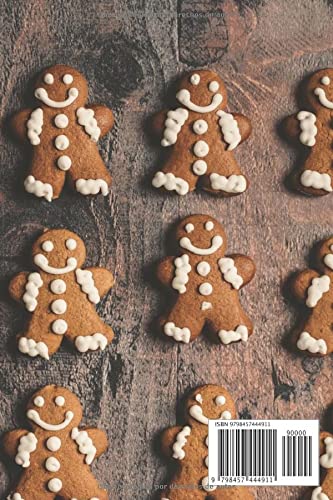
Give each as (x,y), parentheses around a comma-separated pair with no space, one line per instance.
(89,177)
(45,180)
(228,328)
(179,492)
(316,175)
(174,177)
(36,342)
(224,177)
(180,325)
(90,337)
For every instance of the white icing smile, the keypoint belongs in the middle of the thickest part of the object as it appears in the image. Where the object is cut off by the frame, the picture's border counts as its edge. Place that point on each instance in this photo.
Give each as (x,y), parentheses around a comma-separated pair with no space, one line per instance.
(321,94)
(42,95)
(34,416)
(42,262)
(216,242)
(184,97)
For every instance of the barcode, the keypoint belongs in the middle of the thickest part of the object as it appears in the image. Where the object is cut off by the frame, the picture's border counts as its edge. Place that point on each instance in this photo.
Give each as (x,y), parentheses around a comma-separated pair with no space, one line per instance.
(297,455)
(247,452)
(275,452)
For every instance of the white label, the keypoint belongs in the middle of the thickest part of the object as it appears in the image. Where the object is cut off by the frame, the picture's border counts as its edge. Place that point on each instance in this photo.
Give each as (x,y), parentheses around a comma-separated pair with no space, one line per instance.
(263,453)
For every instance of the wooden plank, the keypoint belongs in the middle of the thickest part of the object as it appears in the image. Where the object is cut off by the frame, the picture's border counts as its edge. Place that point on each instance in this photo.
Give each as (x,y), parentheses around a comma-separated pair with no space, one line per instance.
(131,52)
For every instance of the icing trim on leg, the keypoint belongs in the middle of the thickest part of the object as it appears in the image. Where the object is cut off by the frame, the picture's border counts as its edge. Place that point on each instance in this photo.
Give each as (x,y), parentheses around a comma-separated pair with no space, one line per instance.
(33,348)
(92,186)
(177,333)
(326,460)
(38,188)
(241,333)
(232,184)
(91,342)
(15,496)
(318,494)
(308,343)
(316,180)
(171,183)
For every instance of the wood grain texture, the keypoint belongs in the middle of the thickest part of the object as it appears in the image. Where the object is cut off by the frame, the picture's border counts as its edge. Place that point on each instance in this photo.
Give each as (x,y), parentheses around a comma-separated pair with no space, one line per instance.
(130,53)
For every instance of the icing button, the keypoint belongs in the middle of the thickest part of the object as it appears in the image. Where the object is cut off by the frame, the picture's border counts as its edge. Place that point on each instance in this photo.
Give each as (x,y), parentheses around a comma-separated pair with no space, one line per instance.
(61,121)
(54,485)
(61,142)
(59,306)
(64,162)
(53,443)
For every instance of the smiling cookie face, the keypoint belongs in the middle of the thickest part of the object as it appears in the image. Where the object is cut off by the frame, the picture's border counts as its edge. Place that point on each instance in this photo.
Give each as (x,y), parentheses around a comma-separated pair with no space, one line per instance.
(201,235)
(61,87)
(320,90)
(202,91)
(210,402)
(58,251)
(54,409)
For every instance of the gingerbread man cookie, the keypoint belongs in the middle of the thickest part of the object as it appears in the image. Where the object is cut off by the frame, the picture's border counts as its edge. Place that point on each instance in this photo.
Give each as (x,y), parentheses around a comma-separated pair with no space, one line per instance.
(313,128)
(200,137)
(55,455)
(205,284)
(315,289)
(63,133)
(188,446)
(325,490)
(61,297)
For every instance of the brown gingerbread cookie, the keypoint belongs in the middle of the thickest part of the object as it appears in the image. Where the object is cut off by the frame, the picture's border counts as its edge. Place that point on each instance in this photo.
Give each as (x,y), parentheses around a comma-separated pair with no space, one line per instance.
(205,284)
(63,133)
(312,127)
(55,455)
(200,137)
(61,297)
(325,490)
(188,445)
(315,334)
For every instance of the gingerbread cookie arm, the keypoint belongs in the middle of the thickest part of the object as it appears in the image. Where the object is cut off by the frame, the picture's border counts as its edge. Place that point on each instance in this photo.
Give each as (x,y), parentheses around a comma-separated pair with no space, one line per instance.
(158,122)
(11,441)
(166,271)
(244,125)
(245,267)
(99,440)
(17,286)
(168,439)
(18,124)
(104,118)
(302,282)
(301,127)
(103,279)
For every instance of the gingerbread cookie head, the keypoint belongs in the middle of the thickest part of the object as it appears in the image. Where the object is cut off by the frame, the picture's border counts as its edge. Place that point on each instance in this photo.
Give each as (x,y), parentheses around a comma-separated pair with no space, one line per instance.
(60,87)
(209,402)
(201,235)
(58,251)
(319,90)
(54,409)
(325,256)
(202,91)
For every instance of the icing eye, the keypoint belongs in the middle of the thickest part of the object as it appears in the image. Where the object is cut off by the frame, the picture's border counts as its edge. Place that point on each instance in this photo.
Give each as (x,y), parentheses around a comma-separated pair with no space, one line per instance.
(209,225)
(39,401)
(67,79)
(47,246)
(226,415)
(71,244)
(48,78)
(220,400)
(325,80)
(198,398)
(213,86)
(195,79)
(189,228)
(59,401)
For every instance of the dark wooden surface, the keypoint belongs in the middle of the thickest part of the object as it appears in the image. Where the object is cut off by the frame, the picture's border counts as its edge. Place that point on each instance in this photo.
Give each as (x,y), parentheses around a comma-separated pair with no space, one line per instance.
(130,52)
